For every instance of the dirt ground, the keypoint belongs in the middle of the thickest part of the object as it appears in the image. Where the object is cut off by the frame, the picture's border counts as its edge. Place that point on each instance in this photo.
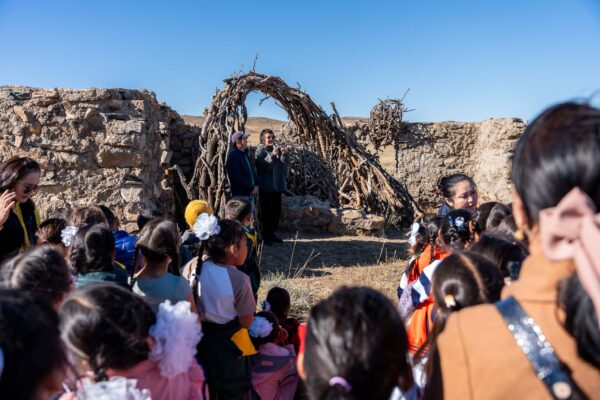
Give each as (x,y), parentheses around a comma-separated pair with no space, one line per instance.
(311,266)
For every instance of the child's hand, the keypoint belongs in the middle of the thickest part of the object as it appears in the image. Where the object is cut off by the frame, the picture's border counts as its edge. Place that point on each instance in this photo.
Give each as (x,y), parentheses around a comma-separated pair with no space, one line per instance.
(7,201)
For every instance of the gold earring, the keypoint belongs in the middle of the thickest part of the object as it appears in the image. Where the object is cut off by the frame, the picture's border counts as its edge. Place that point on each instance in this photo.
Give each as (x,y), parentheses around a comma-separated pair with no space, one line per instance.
(519,235)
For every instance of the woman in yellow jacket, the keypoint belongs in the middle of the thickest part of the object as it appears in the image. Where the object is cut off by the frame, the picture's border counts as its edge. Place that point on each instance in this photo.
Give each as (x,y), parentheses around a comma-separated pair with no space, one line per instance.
(19,218)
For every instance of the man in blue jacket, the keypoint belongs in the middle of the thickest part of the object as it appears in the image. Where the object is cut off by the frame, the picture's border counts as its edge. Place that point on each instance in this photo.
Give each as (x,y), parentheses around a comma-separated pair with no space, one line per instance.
(240,170)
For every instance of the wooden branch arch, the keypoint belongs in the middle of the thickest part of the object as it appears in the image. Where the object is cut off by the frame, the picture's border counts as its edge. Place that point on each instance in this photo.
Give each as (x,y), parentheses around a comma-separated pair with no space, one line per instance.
(358,178)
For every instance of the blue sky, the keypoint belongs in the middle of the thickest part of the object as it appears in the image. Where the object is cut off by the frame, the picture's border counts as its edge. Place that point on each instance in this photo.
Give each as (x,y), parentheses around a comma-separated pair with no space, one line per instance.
(461,60)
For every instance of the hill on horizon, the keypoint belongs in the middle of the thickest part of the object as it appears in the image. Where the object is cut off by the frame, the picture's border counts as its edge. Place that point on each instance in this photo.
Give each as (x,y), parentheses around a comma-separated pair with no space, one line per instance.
(257,124)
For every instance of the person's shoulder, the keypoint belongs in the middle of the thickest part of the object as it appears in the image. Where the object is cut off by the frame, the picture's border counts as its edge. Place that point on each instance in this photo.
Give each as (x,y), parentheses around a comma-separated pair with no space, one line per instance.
(473,326)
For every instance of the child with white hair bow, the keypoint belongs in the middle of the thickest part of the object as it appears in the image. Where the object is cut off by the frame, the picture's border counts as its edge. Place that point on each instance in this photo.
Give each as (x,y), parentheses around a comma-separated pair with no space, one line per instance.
(274,373)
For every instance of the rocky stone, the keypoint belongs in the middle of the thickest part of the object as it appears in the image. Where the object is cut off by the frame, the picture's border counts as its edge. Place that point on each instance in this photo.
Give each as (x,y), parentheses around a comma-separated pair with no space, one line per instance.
(481,150)
(309,214)
(96,146)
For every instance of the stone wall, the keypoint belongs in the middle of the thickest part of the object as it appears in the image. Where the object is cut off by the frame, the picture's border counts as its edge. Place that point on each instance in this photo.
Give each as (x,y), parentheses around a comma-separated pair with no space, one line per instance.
(115,146)
(479,149)
(97,146)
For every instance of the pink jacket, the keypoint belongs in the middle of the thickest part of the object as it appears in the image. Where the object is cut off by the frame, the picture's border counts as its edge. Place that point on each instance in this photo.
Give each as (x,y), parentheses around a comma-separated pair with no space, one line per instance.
(280,384)
(184,386)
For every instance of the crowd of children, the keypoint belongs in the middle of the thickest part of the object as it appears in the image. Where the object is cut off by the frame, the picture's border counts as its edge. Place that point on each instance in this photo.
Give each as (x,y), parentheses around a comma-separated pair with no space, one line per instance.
(497,300)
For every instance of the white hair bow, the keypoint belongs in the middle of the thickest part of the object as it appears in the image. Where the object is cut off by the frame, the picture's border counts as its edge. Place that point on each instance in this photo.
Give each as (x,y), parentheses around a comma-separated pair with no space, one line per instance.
(412,236)
(206,226)
(68,234)
(176,332)
(260,328)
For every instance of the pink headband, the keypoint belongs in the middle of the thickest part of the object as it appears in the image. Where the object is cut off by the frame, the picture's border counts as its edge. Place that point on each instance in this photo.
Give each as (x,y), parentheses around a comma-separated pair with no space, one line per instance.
(571,230)
(341,382)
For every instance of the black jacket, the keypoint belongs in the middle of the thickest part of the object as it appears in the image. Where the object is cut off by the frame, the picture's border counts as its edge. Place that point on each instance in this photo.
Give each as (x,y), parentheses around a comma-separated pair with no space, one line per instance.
(271,169)
(12,237)
(241,173)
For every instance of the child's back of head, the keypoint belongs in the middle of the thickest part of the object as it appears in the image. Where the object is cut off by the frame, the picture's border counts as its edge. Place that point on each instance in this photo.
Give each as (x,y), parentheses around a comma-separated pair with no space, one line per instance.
(356,347)
(217,237)
(32,352)
(238,210)
(41,271)
(264,329)
(87,216)
(49,231)
(456,232)
(278,302)
(92,249)
(107,326)
(506,254)
(160,240)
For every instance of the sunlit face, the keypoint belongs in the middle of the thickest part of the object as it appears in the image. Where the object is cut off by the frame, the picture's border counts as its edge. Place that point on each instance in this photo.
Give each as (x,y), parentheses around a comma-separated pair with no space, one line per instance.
(242,143)
(27,187)
(268,139)
(465,197)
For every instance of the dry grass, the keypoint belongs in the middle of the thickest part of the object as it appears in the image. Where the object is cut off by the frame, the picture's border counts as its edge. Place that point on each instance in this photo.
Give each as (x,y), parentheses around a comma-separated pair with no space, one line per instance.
(311,266)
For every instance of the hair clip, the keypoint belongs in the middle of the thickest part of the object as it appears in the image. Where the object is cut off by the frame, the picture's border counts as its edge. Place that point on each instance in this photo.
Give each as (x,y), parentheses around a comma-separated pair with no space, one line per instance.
(341,382)
(450,301)
(458,223)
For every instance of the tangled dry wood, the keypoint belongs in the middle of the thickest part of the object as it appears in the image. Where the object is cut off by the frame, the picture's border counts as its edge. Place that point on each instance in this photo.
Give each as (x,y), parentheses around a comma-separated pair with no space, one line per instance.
(356,179)
(386,124)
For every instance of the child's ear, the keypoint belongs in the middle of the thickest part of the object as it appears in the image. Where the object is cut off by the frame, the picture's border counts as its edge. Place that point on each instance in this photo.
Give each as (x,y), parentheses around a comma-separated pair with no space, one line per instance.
(518,209)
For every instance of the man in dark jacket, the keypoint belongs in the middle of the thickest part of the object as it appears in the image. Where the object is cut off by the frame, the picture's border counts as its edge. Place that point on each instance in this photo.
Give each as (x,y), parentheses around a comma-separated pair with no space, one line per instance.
(240,170)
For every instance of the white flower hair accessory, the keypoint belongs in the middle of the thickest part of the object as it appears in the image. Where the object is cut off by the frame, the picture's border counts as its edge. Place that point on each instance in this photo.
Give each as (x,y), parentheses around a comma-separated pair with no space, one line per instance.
(68,234)
(176,332)
(266,306)
(260,328)
(206,226)
(412,235)
(116,388)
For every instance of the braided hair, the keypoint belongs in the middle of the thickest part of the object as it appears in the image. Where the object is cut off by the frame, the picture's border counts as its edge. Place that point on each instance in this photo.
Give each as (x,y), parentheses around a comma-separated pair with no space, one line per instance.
(107,326)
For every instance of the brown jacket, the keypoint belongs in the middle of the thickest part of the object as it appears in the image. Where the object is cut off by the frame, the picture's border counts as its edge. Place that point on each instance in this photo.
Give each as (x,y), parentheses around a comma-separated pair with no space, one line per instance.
(479,358)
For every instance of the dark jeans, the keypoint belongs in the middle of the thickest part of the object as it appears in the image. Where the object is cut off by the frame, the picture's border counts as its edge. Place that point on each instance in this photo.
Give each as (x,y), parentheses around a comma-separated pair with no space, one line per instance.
(270,211)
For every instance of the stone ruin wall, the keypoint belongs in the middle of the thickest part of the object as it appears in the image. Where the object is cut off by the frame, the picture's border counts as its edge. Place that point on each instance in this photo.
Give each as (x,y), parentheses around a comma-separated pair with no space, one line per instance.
(115,147)
(97,146)
(481,150)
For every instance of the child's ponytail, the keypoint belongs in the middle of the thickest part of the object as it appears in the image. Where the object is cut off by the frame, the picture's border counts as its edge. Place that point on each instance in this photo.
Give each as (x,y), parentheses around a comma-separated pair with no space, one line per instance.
(461,280)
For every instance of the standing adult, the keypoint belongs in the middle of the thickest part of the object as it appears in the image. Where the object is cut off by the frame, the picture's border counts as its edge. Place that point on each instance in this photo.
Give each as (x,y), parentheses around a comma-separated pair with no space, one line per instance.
(240,169)
(19,218)
(271,165)
(522,347)
(460,193)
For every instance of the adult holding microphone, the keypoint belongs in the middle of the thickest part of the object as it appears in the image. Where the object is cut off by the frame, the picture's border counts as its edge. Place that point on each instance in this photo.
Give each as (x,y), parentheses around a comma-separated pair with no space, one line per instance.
(271,166)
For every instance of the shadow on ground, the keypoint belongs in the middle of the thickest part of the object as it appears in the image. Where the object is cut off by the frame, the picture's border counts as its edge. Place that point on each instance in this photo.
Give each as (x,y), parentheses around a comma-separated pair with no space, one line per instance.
(308,254)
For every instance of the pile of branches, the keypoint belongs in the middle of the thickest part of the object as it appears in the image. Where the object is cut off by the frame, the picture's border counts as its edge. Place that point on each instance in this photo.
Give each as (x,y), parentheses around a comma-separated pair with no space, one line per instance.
(359,181)
(386,124)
